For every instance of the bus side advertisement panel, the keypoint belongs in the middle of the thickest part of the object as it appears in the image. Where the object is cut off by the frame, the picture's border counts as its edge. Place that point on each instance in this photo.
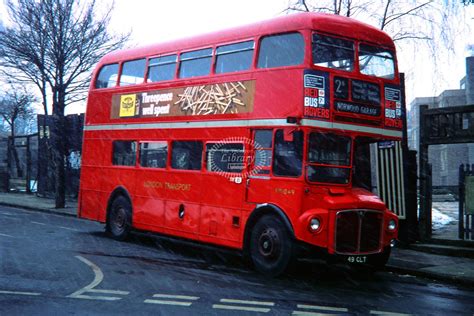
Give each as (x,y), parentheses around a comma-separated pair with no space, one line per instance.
(212,99)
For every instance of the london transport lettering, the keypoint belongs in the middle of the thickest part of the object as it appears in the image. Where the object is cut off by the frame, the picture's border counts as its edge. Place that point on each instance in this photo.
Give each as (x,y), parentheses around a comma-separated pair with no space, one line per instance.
(167,185)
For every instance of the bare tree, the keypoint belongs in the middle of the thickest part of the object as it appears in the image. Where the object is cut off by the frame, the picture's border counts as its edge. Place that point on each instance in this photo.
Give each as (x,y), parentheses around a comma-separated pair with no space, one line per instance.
(403,20)
(423,30)
(16,105)
(55,45)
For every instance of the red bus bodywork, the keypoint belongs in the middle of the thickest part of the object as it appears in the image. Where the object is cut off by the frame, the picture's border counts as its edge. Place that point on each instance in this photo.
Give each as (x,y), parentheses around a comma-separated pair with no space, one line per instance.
(223,209)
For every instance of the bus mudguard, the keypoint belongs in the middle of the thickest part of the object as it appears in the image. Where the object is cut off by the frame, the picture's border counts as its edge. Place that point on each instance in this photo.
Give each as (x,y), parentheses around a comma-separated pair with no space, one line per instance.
(120,190)
(261,210)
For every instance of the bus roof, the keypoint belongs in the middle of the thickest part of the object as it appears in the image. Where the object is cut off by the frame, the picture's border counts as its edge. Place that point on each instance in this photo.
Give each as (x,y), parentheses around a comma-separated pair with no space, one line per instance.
(327,23)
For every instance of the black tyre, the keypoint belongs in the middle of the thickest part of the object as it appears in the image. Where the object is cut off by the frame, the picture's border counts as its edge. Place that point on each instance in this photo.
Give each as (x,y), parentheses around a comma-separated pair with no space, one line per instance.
(271,246)
(119,219)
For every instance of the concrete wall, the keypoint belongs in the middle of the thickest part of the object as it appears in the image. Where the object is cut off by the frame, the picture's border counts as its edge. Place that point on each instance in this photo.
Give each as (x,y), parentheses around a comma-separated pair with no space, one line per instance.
(445,159)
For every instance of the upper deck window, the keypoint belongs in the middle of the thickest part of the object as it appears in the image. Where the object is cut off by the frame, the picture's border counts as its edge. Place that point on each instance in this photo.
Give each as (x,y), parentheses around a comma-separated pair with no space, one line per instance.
(162,68)
(107,76)
(234,57)
(333,52)
(196,63)
(281,50)
(376,61)
(133,72)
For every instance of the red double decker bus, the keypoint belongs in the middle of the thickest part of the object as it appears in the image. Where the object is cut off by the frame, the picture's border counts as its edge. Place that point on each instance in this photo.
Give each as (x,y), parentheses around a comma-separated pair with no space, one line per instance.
(254,138)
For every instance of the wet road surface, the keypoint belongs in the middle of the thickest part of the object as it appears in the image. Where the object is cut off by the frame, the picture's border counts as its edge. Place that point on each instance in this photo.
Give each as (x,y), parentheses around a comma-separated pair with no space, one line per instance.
(52,264)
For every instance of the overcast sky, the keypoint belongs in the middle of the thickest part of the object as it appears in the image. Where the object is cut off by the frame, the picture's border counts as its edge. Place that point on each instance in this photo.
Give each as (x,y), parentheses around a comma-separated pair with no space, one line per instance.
(157,21)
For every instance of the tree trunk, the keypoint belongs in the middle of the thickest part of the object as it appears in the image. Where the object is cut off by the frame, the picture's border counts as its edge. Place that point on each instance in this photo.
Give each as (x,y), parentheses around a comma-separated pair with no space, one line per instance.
(59,153)
(19,171)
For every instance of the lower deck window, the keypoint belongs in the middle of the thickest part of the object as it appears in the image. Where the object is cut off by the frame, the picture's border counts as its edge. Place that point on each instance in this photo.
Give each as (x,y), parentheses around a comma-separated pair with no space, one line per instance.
(186,155)
(288,154)
(225,157)
(124,153)
(153,154)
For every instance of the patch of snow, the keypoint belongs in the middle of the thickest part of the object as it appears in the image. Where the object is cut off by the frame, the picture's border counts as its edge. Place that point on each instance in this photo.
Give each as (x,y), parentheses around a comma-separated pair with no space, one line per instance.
(439,220)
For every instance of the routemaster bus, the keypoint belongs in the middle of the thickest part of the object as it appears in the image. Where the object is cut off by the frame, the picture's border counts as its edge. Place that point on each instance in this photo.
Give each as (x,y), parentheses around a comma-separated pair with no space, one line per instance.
(255,138)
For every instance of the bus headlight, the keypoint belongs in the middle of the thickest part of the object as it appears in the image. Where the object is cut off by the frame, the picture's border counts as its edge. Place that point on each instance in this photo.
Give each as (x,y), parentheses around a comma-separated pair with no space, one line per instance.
(392,225)
(314,224)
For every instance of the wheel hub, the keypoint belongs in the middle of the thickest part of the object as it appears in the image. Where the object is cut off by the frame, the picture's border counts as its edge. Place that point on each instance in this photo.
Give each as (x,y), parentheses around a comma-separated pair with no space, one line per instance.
(269,243)
(119,218)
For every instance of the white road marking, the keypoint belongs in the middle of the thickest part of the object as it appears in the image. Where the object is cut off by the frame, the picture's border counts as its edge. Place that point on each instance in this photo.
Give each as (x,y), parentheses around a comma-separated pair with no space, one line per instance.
(109,291)
(166,302)
(68,228)
(20,293)
(43,224)
(183,299)
(98,277)
(323,308)
(387,313)
(303,313)
(95,297)
(232,301)
(180,297)
(5,235)
(243,307)
(7,214)
(38,223)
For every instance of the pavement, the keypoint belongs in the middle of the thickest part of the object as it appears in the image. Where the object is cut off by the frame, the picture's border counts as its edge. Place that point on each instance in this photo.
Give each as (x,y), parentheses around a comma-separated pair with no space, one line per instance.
(450,262)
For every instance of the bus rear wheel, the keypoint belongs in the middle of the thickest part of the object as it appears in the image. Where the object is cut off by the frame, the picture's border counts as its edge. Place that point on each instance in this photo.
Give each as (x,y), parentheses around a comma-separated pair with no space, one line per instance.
(271,246)
(119,219)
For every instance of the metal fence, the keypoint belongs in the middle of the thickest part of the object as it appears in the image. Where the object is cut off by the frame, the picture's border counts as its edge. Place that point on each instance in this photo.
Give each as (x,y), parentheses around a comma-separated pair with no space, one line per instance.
(466,202)
(18,163)
(73,132)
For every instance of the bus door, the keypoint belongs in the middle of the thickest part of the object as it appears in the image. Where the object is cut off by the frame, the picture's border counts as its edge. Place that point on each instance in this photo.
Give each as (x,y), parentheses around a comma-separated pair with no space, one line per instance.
(223,190)
(184,188)
(149,203)
(277,168)
(258,184)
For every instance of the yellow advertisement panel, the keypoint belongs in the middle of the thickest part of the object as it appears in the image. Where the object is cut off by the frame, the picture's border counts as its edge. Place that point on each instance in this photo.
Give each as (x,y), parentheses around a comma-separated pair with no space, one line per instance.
(127,105)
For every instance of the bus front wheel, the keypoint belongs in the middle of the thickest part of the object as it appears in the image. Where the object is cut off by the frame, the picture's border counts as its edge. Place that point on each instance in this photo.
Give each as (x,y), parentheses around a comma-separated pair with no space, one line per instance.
(271,246)
(119,219)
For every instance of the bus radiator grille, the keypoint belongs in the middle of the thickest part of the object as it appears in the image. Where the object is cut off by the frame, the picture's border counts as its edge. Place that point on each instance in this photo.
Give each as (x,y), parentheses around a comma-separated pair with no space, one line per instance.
(358,231)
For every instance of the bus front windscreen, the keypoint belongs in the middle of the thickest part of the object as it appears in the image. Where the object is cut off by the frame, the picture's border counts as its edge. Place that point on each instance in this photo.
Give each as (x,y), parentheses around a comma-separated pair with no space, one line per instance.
(376,61)
(329,158)
(333,52)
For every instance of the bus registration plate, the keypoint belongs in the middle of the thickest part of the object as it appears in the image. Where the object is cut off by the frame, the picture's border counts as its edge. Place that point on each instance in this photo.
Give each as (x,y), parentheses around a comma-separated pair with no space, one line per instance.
(357,259)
